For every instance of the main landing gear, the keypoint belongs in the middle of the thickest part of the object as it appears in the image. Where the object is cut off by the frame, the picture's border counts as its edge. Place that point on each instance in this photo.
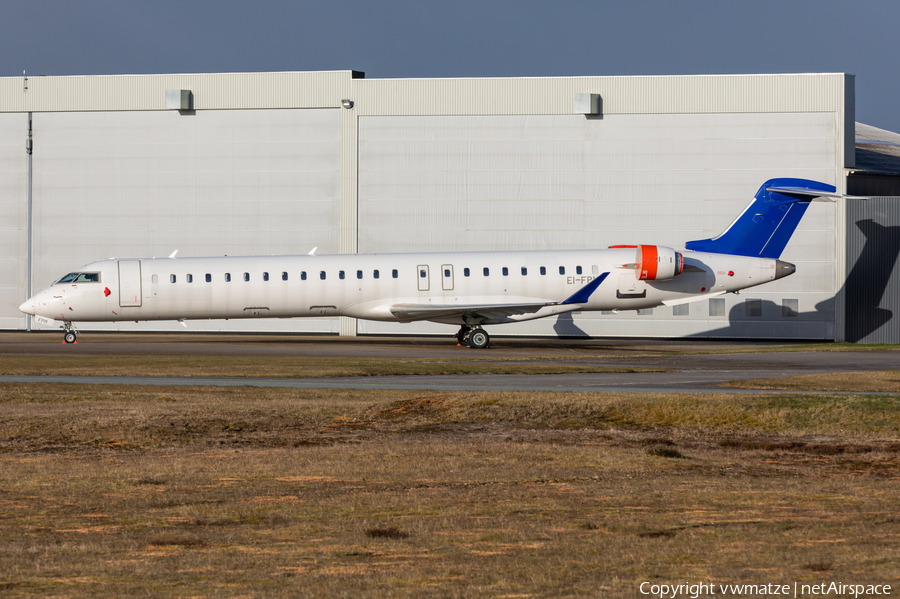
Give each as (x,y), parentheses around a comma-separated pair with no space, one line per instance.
(69,336)
(474,337)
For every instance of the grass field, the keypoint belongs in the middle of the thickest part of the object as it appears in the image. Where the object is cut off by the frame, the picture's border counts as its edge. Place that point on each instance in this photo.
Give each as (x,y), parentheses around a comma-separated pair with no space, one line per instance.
(875,381)
(211,492)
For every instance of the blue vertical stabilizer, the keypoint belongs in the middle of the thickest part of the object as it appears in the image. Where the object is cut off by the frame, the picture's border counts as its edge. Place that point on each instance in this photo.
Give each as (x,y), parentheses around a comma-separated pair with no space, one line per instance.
(765,226)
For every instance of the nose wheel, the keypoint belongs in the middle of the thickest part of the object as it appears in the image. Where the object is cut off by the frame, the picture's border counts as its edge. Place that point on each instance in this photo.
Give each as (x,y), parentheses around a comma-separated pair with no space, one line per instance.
(69,336)
(474,337)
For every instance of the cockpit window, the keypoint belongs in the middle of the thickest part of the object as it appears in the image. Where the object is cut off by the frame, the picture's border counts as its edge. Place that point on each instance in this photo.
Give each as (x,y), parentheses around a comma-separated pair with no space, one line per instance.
(81,277)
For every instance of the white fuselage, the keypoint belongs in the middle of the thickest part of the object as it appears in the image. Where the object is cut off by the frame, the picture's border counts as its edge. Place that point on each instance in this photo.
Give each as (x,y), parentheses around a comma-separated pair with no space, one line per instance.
(303,286)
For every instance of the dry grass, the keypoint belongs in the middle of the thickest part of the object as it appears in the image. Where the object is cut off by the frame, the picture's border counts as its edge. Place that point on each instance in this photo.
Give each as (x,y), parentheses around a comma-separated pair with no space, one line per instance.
(295,367)
(210,492)
(877,381)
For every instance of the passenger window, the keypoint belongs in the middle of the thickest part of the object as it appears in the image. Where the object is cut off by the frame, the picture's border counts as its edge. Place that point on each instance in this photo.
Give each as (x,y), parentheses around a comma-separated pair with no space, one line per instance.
(465,272)
(505,272)
(394,273)
(154,279)
(227,277)
(447,272)
(341,275)
(303,276)
(562,270)
(246,277)
(423,274)
(487,271)
(284,276)
(543,270)
(208,278)
(577,270)
(171,278)
(322,274)
(190,278)
(358,274)
(374,274)
(595,270)
(524,272)
(265,276)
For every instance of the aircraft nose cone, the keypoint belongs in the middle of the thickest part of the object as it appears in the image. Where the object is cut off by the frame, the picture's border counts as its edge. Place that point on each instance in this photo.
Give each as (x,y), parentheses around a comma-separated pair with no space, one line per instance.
(27,306)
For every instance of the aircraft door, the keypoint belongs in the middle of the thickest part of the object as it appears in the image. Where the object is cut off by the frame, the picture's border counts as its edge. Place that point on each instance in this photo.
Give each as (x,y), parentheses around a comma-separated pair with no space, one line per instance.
(447,277)
(422,277)
(130,283)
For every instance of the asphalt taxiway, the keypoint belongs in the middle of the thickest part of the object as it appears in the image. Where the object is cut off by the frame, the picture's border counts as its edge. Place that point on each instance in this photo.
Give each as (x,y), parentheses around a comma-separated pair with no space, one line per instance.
(694,366)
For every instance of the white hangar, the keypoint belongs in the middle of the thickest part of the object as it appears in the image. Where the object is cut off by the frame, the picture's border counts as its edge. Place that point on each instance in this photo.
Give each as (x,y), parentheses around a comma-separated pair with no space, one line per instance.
(279,163)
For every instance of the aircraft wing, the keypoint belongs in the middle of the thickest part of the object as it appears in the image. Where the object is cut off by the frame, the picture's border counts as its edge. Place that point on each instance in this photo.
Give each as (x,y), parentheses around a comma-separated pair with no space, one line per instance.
(490,311)
(426,311)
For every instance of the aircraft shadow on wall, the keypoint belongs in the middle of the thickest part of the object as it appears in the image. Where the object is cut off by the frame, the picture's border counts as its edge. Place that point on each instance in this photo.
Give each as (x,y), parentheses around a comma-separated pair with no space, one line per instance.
(863,290)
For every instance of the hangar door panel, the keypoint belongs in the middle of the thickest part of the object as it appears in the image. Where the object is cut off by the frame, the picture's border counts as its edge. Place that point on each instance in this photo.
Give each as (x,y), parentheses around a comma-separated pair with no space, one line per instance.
(542,182)
(13,245)
(215,182)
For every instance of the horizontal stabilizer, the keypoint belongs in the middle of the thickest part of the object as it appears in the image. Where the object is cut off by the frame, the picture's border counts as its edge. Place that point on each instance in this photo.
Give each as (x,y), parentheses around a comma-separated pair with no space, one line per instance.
(814,194)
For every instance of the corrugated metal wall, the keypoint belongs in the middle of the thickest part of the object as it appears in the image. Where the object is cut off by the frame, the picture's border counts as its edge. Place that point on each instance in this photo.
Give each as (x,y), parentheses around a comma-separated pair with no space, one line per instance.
(13,131)
(212,91)
(872,289)
(141,184)
(621,95)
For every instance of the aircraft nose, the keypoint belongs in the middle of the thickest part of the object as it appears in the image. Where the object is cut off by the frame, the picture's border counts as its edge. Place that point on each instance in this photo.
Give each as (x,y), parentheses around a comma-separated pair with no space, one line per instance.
(27,306)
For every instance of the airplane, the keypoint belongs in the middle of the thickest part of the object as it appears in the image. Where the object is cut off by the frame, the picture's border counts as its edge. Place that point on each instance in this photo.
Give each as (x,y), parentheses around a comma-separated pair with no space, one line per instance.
(466,289)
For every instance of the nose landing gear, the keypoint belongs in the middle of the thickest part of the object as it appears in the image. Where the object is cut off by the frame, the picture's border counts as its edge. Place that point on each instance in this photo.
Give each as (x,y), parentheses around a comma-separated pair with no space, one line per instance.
(69,336)
(474,337)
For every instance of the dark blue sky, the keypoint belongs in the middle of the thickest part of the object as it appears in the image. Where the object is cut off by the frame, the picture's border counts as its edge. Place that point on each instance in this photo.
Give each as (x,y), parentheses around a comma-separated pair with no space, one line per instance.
(405,39)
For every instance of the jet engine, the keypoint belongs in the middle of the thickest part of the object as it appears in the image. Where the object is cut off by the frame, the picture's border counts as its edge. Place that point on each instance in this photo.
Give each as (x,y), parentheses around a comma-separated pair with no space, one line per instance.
(657,263)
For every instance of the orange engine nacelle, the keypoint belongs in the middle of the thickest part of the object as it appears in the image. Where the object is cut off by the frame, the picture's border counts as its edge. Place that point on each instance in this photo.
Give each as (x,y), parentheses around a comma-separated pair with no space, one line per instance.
(657,263)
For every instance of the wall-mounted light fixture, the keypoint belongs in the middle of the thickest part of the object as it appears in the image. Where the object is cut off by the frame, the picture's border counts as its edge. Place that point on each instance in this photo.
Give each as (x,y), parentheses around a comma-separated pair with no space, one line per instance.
(347,103)
(588,104)
(179,99)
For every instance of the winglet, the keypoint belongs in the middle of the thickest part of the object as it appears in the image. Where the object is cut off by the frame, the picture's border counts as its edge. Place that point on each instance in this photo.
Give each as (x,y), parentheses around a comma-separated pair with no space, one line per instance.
(172,255)
(313,251)
(584,294)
